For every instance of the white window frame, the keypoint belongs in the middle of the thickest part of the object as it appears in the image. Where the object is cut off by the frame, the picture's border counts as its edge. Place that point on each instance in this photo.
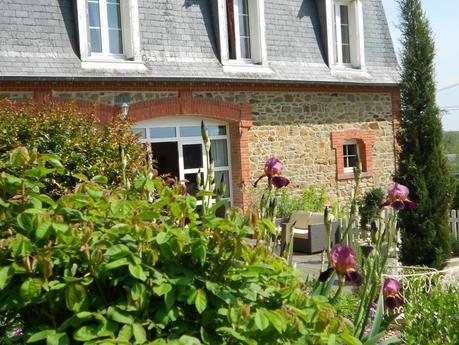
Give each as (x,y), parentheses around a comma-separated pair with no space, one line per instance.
(259,60)
(350,169)
(356,35)
(131,57)
(184,121)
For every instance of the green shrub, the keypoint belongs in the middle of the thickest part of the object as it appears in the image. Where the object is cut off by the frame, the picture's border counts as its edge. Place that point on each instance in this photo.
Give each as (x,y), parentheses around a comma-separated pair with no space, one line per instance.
(84,146)
(433,319)
(313,199)
(369,206)
(121,266)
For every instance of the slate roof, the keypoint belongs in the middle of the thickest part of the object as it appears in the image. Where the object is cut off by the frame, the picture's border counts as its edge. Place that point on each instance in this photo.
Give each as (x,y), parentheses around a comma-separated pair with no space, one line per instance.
(38,39)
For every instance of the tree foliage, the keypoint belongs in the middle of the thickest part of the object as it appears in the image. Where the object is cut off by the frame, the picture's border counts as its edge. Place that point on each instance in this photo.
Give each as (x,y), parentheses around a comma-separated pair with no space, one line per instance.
(422,166)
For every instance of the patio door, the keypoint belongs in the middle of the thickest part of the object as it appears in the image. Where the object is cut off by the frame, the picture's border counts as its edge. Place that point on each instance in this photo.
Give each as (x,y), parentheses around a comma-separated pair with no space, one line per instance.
(175,144)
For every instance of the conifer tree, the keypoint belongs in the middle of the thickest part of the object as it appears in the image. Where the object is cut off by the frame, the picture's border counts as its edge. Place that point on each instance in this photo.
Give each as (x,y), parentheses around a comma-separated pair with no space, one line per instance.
(426,235)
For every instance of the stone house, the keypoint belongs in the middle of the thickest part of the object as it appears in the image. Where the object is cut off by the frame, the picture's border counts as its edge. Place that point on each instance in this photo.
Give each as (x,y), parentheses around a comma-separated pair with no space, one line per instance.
(312,82)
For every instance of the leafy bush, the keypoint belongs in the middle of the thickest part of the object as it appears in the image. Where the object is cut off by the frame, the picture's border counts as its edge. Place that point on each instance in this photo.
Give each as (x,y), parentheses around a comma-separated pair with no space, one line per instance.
(433,319)
(313,199)
(369,206)
(136,265)
(84,146)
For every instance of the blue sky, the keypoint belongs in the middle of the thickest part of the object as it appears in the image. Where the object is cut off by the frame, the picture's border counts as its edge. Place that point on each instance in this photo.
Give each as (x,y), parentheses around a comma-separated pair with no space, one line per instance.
(442,15)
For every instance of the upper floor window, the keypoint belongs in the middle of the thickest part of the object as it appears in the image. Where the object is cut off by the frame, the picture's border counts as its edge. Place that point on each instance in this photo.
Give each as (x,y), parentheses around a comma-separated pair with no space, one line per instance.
(241,32)
(105,31)
(346,47)
(109,33)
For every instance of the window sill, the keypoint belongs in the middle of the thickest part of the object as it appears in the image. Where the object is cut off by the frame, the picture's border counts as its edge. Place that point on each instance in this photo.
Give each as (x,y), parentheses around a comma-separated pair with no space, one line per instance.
(350,176)
(344,72)
(113,64)
(245,67)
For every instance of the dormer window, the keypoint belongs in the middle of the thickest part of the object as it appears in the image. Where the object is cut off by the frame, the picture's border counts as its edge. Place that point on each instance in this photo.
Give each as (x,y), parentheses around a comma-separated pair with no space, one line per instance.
(109,34)
(241,33)
(104,23)
(345,34)
(238,29)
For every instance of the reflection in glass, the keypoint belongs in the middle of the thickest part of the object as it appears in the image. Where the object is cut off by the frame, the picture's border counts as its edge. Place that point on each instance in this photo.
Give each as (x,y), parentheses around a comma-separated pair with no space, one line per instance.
(190,131)
(142,131)
(162,132)
(114,27)
(219,152)
(192,185)
(94,26)
(345,44)
(192,156)
(217,130)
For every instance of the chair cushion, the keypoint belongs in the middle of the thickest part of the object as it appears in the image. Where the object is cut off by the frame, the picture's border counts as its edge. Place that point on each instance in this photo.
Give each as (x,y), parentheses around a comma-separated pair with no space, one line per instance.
(301,233)
(300,218)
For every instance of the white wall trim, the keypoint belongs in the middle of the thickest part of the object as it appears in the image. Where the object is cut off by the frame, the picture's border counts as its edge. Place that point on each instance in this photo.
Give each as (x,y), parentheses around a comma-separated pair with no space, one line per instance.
(113,64)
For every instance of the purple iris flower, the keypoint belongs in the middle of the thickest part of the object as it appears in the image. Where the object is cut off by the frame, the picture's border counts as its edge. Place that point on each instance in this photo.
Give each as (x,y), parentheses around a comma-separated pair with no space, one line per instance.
(398,198)
(343,262)
(273,171)
(391,289)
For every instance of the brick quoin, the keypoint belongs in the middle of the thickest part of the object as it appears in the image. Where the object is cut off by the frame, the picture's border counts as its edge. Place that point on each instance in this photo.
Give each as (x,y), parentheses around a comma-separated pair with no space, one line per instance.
(365,139)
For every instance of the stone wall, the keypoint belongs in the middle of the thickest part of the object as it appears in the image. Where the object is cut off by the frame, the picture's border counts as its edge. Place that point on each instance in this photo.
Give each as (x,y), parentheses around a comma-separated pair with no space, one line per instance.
(297,128)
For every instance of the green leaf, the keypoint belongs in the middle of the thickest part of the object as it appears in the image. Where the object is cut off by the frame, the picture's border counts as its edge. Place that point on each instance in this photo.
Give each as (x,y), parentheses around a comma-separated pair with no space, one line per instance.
(276,320)
(392,340)
(60,227)
(201,301)
(125,334)
(137,272)
(379,315)
(116,252)
(30,289)
(349,339)
(42,335)
(117,263)
(76,298)
(58,339)
(119,316)
(80,177)
(163,237)
(86,333)
(21,246)
(6,273)
(332,339)
(25,222)
(374,339)
(261,321)
(162,289)
(100,179)
(237,335)
(187,340)
(43,231)
(139,332)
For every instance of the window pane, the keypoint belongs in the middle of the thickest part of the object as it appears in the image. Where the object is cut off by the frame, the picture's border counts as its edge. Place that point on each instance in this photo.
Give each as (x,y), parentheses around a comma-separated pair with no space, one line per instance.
(192,185)
(93,13)
(244,25)
(219,152)
(142,131)
(243,7)
(115,41)
(165,132)
(352,161)
(192,156)
(166,158)
(96,43)
(218,179)
(346,53)
(190,131)
(113,15)
(344,15)
(217,130)
(351,149)
(245,48)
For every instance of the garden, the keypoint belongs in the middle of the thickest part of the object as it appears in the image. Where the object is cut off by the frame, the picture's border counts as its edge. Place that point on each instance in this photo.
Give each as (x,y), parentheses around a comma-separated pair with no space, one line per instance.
(99,249)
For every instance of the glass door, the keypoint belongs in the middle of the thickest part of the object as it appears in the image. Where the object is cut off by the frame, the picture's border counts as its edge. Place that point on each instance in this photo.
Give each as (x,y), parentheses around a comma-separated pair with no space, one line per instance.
(192,162)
